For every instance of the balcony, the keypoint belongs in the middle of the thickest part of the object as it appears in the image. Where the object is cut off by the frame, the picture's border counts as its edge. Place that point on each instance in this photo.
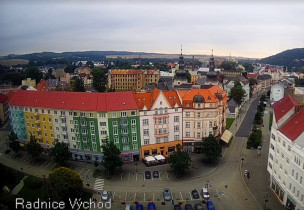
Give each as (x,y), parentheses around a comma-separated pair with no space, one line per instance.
(124,134)
(64,133)
(82,118)
(63,125)
(124,125)
(62,116)
(122,118)
(161,135)
(84,134)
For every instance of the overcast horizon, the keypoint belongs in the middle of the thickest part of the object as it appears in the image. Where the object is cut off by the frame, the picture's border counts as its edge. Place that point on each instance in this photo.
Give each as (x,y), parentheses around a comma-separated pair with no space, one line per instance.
(247,30)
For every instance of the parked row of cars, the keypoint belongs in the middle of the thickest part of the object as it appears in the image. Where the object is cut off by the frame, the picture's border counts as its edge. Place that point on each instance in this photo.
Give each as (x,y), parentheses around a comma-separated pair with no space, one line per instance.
(196,206)
(154,173)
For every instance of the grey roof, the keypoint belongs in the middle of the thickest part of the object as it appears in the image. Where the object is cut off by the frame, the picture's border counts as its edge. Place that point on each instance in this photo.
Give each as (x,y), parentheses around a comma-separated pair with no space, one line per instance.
(161,86)
(232,104)
(184,86)
(264,77)
(52,82)
(239,78)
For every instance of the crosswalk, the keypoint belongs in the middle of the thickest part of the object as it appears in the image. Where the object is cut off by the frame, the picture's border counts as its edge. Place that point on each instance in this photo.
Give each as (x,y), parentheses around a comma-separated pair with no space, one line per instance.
(99,183)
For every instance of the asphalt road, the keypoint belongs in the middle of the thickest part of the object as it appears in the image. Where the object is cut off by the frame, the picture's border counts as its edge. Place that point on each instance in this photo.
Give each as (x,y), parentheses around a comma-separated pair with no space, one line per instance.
(246,125)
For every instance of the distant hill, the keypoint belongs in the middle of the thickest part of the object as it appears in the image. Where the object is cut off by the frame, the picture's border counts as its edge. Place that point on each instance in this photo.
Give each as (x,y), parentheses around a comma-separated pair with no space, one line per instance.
(289,58)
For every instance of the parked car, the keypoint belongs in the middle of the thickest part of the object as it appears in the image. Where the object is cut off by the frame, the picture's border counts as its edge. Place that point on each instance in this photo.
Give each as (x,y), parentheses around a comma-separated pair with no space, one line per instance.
(151,206)
(198,206)
(155,174)
(139,207)
(188,207)
(195,194)
(167,195)
(148,174)
(210,205)
(177,207)
(129,207)
(105,195)
(205,193)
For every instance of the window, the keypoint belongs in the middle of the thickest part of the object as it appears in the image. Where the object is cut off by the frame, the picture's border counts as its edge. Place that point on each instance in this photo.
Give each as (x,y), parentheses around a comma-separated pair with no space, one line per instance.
(33,125)
(176,118)
(210,124)
(115,131)
(104,124)
(134,138)
(165,120)
(287,160)
(42,111)
(82,114)
(282,155)
(133,122)
(198,134)
(103,132)
(75,114)
(159,121)
(124,131)
(84,131)
(199,114)
(166,139)
(145,113)
(125,147)
(157,140)
(43,119)
(133,113)
(146,132)
(123,114)
(135,146)
(125,140)
(146,141)
(83,123)
(91,115)
(114,123)
(32,117)
(72,130)
(50,120)
(102,115)
(91,123)
(176,137)
(273,136)
(284,144)
(52,136)
(286,172)
(156,112)
(92,132)
(114,114)
(56,120)
(176,109)
(159,131)
(164,130)
(70,113)
(145,122)
(133,130)
(176,128)
(84,139)
(73,138)
(45,134)
(116,141)
(36,110)
(187,134)
(57,129)
(187,105)
(289,148)
(187,114)
(278,151)
(271,156)
(187,124)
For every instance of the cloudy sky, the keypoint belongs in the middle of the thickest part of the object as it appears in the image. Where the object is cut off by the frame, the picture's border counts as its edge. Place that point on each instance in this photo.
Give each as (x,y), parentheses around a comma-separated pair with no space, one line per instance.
(240,29)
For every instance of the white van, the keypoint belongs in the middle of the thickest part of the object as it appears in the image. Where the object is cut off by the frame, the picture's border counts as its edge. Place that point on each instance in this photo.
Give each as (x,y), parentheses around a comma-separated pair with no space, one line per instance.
(205,193)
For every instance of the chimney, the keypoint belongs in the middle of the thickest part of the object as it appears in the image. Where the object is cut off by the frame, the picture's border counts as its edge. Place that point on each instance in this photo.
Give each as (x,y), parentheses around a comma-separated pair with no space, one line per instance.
(298,107)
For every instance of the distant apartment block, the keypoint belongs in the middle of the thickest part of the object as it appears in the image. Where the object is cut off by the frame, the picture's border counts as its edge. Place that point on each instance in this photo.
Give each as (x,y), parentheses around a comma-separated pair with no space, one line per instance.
(29,82)
(129,79)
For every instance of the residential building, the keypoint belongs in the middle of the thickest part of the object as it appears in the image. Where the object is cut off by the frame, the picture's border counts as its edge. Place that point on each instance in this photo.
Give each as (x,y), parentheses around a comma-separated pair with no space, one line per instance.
(229,83)
(3,108)
(264,81)
(131,79)
(160,121)
(180,73)
(82,120)
(204,113)
(228,73)
(275,74)
(286,153)
(29,82)
(233,109)
(276,92)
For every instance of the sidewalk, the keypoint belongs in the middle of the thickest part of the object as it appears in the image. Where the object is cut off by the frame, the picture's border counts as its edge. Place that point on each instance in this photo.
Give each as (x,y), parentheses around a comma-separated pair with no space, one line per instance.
(258,183)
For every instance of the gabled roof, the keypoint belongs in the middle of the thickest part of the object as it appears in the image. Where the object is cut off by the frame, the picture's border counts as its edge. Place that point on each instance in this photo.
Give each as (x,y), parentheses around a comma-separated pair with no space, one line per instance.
(147,99)
(75,100)
(295,126)
(232,103)
(283,106)
(251,75)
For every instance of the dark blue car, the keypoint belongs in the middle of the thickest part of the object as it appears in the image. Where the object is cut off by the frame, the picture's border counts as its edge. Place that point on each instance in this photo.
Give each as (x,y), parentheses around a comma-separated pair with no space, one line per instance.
(151,206)
(210,205)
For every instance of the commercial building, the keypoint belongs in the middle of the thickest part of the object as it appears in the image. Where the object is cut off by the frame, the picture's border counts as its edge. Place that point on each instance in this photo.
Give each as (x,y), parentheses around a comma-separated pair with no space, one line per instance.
(130,79)
(286,153)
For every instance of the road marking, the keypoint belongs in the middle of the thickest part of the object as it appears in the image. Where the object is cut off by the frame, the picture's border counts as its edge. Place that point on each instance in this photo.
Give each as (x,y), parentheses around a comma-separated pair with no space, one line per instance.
(87,172)
(11,154)
(144,197)
(24,157)
(113,196)
(181,195)
(126,196)
(159,176)
(48,164)
(99,184)
(135,196)
(136,176)
(121,176)
(153,197)
(44,163)
(37,163)
(190,195)
(167,176)
(81,171)
(53,166)
(129,175)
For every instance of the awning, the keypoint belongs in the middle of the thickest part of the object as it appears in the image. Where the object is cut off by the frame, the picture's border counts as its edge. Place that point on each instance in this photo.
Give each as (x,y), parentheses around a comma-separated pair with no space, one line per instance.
(227,135)
(149,158)
(159,157)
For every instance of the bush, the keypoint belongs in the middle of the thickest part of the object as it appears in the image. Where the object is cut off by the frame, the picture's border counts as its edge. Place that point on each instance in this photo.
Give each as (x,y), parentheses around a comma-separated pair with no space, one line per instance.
(254,139)
(33,182)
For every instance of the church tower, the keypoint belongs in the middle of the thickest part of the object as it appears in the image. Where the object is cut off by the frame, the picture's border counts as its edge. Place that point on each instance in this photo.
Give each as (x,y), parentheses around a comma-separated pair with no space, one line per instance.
(180,74)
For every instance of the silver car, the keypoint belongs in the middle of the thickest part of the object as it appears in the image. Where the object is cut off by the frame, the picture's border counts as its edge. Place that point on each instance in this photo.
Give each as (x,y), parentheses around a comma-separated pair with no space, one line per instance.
(167,195)
(105,195)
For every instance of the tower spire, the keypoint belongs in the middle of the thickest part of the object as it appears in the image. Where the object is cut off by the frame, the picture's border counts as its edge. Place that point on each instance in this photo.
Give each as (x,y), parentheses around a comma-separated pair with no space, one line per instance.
(181,49)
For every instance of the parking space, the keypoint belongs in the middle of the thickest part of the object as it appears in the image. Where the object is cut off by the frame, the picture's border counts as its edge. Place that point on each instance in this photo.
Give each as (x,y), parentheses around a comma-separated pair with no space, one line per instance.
(148,196)
(176,196)
(158,196)
(140,197)
(140,176)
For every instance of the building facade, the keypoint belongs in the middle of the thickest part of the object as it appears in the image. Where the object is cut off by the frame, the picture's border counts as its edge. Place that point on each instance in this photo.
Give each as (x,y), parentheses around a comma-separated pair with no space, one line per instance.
(160,122)
(276,92)
(3,108)
(286,153)
(82,120)
(29,82)
(129,79)
(204,113)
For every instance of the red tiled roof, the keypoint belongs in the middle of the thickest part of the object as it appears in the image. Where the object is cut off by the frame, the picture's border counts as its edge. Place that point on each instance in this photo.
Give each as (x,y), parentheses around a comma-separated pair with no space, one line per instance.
(252,75)
(147,99)
(75,100)
(295,126)
(3,98)
(10,94)
(283,106)
(208,94)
